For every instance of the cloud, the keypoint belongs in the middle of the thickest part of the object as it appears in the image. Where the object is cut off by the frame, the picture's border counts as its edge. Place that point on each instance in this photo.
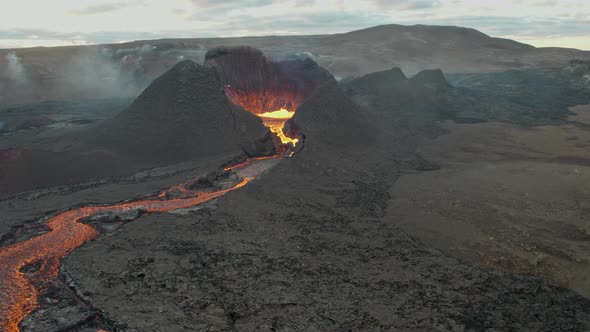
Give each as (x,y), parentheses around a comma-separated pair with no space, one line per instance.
(204,10)
(100,9)
(75,38)
(406,4)
(109,21)
(544,3)
(304,3)
(310,23)
(235,4)
(520,25)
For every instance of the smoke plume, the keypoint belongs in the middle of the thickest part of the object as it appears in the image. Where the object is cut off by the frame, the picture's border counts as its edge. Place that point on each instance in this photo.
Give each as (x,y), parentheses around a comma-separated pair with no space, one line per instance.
(15,69)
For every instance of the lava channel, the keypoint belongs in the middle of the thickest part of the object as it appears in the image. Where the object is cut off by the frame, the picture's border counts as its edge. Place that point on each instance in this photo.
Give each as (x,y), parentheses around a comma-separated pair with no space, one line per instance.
(19,290)
(275,121)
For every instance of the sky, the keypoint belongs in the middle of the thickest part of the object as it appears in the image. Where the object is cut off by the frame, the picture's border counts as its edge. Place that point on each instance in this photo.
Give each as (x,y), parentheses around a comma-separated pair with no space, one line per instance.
(26,23)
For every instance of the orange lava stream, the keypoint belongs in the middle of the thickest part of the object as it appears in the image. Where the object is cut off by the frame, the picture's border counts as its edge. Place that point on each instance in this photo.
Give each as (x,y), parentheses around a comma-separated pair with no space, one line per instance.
(249,162)
(275,121)
(19,291)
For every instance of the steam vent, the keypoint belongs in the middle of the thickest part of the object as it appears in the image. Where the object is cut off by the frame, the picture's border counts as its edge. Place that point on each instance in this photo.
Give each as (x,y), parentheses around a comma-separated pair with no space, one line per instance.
(272,90)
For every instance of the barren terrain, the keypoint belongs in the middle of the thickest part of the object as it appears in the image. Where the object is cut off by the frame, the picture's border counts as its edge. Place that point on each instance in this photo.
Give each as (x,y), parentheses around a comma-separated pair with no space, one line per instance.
(98,71)
(509,197)
(407,203)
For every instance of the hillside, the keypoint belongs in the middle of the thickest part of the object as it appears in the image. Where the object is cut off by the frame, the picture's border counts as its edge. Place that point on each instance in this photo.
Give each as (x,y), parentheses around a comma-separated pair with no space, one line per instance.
(97,71)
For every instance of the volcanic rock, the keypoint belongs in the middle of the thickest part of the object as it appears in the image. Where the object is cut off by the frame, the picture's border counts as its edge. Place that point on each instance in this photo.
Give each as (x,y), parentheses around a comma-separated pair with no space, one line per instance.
(122,215)
(304,248)
(183,115)
(27,122)
(261,85)
(330,120)
(60,311)
(392,98)
(433,78)
(376,82)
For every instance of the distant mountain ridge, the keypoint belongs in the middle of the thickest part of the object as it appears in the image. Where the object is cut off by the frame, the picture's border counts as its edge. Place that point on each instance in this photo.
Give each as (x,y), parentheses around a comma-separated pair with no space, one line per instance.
(97,71)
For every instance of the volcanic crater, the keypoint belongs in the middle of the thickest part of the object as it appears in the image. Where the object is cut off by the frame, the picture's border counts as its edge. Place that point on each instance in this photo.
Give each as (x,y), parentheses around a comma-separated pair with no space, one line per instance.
(272,90)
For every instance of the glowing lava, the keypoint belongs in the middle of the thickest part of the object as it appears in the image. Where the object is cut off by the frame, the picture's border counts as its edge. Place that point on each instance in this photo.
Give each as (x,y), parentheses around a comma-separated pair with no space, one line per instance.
(280,114)
(275,121)
(27,268)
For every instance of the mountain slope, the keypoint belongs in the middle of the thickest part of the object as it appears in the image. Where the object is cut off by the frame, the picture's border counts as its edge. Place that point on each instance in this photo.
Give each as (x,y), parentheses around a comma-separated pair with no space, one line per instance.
(182,115)
(97,71)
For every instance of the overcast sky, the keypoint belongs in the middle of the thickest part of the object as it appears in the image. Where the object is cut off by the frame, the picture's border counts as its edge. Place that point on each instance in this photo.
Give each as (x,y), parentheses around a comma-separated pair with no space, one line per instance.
(24,23)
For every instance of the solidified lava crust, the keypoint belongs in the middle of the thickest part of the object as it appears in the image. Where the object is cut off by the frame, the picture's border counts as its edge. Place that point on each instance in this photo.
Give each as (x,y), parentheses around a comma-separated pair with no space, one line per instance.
(27,268)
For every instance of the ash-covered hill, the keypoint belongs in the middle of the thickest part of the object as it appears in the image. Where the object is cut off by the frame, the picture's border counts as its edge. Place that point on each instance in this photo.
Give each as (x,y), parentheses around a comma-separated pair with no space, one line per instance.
(400,106)
(525,97)
(83,72)
(184,115)
(331,123)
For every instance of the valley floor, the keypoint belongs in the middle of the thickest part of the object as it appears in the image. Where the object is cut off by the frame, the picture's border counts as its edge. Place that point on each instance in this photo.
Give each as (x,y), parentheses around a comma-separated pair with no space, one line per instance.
(334,240)
(509,197)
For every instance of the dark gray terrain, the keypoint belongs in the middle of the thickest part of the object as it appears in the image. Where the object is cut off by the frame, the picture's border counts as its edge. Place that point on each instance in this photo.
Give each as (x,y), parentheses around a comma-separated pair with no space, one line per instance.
(96,71)
(305,248)
(357,231)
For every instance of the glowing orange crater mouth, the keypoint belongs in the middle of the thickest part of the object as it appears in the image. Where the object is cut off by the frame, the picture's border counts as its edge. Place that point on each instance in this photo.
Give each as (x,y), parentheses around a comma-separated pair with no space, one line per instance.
(275,121)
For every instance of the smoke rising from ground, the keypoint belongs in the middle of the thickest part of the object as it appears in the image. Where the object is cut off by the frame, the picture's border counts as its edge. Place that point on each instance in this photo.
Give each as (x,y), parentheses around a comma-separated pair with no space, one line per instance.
(94,73)
(122,72)
(98,76)
(15,69)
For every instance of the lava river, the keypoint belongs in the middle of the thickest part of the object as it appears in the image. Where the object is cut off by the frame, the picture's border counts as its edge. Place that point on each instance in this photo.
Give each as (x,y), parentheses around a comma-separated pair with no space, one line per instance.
(275,121)
(19,290)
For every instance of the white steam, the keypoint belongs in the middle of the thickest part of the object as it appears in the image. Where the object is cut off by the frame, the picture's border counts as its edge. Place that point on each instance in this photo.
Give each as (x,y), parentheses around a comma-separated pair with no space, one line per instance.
(91,73)
(15,69)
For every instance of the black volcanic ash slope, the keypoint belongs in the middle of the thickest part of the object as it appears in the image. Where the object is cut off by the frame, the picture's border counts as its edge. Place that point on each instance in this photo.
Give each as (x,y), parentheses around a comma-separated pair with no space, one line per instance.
(525,97)
(183,115)
(400,106)
(331,122)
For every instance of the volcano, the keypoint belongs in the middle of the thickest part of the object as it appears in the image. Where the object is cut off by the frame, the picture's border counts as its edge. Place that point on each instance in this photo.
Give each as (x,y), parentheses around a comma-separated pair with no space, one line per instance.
(273,90)
(183,115)
(260,85)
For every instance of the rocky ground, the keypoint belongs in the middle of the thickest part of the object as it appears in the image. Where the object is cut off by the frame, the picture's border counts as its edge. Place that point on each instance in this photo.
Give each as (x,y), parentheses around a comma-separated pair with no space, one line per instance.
(303,252)
(308,246)
(508,197)
(385,219)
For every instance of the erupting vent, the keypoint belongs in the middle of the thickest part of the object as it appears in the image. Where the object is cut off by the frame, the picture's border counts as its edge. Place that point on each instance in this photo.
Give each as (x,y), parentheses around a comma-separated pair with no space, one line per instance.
(273,107)
(272,90)
(275,121)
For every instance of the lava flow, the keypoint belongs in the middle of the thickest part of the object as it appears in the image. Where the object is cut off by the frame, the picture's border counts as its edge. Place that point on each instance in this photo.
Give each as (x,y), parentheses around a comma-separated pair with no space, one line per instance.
(275,121)
(20,288)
